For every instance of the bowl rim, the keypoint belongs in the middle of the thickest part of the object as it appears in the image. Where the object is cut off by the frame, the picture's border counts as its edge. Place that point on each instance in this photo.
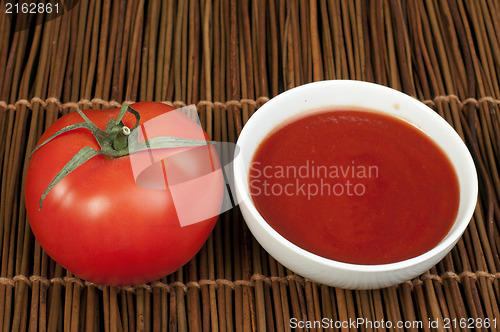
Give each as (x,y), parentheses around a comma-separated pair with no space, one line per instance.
(445,244)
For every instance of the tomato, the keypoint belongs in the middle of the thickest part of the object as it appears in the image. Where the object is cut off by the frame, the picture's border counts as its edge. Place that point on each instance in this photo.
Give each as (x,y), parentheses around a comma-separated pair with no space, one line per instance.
(100,222)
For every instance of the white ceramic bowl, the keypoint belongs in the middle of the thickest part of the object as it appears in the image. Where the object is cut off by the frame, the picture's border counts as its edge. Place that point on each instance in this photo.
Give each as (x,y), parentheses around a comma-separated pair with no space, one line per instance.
(351,94)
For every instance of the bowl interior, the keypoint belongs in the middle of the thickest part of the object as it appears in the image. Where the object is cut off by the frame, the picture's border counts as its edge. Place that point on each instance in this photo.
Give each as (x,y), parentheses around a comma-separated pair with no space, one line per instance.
(356,94)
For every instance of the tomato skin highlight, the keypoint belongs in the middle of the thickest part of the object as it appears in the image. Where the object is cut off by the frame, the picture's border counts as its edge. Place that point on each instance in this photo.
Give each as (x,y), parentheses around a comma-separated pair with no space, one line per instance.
(98,222)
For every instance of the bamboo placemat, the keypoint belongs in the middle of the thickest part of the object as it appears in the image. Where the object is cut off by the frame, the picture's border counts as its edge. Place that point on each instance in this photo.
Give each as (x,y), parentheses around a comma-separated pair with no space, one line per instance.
(228,57)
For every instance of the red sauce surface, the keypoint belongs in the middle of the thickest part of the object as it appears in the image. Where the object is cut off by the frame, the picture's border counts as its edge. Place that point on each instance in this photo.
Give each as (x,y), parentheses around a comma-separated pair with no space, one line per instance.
(355,186)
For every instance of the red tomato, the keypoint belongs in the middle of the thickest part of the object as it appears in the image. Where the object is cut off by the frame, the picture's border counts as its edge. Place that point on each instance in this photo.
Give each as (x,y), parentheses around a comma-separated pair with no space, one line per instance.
(99,223)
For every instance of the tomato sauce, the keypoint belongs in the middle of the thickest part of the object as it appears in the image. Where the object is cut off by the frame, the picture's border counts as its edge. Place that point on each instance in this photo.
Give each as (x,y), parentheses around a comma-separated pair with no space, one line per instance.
(355,186)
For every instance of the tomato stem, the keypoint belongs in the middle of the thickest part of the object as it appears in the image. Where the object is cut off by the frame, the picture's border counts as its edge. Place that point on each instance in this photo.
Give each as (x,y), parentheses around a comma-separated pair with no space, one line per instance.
(117,140)
(125,130)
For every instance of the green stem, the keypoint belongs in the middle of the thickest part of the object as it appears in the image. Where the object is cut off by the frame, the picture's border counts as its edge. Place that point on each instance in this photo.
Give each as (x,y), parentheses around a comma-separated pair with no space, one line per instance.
(114,142)
(78,159)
